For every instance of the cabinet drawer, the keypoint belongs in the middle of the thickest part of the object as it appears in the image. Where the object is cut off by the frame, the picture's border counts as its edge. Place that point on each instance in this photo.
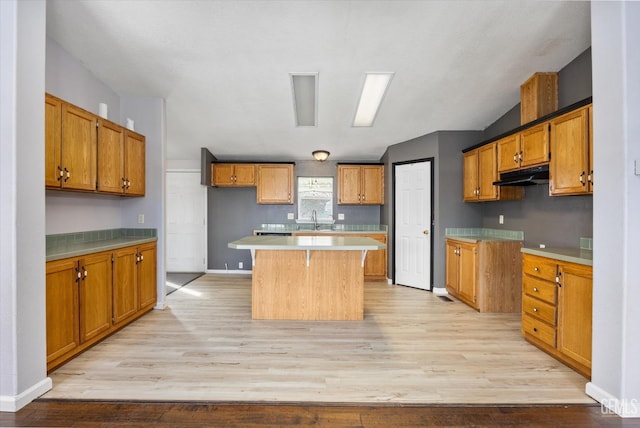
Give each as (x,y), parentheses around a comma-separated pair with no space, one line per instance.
(540,289)
(539,267)
(538,329)
(539,309)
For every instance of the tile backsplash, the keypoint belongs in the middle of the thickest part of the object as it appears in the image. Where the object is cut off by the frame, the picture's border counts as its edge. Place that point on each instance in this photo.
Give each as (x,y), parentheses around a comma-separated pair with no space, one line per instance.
(97,235)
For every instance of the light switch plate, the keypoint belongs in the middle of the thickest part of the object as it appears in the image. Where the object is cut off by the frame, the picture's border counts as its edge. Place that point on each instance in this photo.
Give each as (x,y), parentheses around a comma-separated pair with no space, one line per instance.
(290,216)
(140,218)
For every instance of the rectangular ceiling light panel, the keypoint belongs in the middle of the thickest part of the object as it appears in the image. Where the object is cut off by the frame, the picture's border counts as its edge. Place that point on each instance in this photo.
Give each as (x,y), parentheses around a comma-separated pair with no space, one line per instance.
(373,90)
(305,98)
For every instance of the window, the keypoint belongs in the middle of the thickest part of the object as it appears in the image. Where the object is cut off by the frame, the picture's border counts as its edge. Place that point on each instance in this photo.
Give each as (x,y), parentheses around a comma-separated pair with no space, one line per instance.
(315,194)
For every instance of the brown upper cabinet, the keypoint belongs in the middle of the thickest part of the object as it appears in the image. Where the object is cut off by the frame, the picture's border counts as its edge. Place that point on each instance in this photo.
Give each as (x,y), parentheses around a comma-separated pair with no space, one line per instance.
(230,174)
(121,160)
(70,146)
(480,172)
(538,96)
(571,167)
(361,184)
(275,184)
(524,149)
(88,153)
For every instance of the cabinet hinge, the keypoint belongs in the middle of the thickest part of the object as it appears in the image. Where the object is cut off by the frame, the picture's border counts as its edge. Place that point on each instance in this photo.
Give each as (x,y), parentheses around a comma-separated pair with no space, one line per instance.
(97,124)
(113,259)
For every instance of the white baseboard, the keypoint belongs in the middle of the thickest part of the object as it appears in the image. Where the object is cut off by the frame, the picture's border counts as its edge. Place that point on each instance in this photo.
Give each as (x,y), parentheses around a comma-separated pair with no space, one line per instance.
(626,408)
(235,272)
(10,403)
(439,291)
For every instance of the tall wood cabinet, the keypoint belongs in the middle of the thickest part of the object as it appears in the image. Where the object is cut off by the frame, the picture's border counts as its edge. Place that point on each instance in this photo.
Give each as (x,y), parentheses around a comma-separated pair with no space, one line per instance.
(92,296)
(70,146)
(274,184)
(557,309)
(484,274)
(571,167)
(360,184)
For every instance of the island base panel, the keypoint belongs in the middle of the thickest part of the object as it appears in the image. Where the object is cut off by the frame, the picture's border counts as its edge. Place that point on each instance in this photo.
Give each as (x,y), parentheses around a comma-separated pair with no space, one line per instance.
(285,288)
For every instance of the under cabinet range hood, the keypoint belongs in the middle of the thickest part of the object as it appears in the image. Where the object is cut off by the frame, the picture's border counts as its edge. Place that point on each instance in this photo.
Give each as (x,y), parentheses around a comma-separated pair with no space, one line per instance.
(524,177)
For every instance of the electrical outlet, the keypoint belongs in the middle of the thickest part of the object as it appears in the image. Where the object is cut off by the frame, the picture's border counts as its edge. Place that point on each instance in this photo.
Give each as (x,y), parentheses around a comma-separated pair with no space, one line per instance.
(290,216)
(240,265)
(501,219)
(340,216)
(140,218)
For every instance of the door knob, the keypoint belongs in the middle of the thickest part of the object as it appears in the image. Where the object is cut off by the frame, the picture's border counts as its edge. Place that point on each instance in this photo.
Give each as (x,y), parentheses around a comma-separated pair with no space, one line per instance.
(425,232)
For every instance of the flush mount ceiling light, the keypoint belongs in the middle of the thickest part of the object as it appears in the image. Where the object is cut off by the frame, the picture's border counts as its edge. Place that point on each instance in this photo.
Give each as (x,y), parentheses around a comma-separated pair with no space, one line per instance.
(320,155)
(305,98)
(373,90)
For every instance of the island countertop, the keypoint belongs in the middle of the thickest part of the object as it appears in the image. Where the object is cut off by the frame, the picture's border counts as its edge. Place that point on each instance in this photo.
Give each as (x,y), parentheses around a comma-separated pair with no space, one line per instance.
(326,242)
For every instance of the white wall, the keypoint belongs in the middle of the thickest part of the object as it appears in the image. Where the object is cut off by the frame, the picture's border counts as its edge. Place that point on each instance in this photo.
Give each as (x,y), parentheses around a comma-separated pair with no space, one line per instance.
(615,38)
(23,374)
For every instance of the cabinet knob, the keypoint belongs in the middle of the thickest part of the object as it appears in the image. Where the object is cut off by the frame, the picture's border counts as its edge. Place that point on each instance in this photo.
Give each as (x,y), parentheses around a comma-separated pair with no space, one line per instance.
(535,309)
(536,268)
(582,179)
(535,289)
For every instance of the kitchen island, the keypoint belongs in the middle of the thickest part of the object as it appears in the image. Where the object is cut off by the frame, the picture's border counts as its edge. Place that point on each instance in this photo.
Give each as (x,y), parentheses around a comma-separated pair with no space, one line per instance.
(307,277)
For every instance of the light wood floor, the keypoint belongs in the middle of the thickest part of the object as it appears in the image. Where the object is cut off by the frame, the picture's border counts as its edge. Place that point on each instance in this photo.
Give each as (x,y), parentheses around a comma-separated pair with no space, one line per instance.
(411,348)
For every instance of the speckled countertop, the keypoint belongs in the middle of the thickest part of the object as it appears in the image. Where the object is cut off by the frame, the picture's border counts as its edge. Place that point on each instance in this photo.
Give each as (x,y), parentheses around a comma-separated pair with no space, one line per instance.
(574,255)
(68,245)
(477,234)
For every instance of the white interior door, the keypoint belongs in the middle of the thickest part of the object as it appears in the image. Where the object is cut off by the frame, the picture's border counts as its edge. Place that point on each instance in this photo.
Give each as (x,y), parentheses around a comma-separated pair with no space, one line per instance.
(413,224)
(186,222)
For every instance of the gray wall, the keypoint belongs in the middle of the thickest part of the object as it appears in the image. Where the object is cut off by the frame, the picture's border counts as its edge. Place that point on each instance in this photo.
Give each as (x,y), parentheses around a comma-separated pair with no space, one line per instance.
(445,147)
(233,213)
(553,221)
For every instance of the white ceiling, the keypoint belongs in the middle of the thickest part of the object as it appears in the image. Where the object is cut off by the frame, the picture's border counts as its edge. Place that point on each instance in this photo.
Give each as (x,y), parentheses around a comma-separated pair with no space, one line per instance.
(223,66)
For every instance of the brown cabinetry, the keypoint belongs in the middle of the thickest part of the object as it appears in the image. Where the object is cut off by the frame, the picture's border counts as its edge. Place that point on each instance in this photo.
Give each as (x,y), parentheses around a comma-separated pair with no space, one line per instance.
(87,153)
(70,146)
(92,296)
(556,309)
(480,171)
(231,174)
(485,275)
(538,96)
(361,184)
(571,167)
(275,184)
(524,149)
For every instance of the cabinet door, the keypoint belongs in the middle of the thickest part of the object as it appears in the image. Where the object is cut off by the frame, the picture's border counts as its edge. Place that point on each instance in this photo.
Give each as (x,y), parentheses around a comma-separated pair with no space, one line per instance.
(95,295)
(147,276)
(372,184)
(110,157)
(534,146)
(125,286)
(375,265)
(452,272)
(78,148)
(52,141)
(244,175)
(508,153)
(349,184)
(470,176)
(222,174)
(468,277)
(134,164)
(568,168)
(487,173)
(275,184)
(590,130)
(575,296)
(61,308)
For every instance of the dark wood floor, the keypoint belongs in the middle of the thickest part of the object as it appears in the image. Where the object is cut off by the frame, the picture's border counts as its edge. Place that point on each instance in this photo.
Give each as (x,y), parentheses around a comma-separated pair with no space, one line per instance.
(54,413)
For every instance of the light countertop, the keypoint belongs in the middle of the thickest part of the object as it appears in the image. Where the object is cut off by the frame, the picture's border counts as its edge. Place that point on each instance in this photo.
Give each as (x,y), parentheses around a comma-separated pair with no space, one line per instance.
(82,248)
(306,243)
(569,254)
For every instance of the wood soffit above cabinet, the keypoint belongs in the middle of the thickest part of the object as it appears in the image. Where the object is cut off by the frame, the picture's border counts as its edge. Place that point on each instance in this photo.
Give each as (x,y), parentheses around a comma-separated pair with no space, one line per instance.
(543,119)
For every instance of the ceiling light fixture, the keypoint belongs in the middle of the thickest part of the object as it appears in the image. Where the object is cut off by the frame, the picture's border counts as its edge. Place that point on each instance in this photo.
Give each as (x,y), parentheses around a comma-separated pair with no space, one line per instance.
(373,90)
(305,98)
(320,155)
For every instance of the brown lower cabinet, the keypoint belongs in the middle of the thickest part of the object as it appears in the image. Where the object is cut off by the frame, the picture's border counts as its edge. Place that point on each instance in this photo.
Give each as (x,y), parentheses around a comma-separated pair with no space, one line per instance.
(556,309)
(484,274)
(92,296)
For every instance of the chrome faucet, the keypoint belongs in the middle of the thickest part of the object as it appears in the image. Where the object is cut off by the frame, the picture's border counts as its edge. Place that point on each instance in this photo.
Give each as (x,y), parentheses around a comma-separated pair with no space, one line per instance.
(314,218)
